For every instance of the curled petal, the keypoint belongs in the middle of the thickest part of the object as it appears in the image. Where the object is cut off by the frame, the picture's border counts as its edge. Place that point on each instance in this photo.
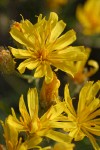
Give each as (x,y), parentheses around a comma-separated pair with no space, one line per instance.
(95,67)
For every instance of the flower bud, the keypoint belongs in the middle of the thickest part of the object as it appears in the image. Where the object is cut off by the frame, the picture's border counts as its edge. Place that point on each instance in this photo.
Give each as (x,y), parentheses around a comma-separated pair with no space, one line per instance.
(7,64)
(49,92)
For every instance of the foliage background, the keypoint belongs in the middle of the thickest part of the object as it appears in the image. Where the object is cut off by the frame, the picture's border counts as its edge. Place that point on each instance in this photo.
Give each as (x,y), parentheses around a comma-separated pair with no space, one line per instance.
(11,86)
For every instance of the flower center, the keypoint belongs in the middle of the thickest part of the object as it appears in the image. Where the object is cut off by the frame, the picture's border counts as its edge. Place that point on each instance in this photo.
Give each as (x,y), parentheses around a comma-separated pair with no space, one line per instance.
(42,55)
(78,122)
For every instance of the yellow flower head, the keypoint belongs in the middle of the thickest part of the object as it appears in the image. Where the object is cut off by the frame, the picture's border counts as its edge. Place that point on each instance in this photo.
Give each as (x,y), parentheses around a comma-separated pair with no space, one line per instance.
(13,142)
(85,121)
(44,47)
(55,4)
(82,72)
(35,126)
(89,16)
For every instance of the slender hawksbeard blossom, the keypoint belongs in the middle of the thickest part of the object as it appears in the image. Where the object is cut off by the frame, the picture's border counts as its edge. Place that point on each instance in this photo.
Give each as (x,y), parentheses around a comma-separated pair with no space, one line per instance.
(44,47)
(35,126)
(89,17)
(13,142)
(85,121)
(83,73)
(55,4)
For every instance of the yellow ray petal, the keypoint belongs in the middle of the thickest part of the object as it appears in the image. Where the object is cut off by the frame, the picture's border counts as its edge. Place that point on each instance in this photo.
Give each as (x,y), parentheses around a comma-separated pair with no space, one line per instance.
(80,65)
(18,36)
(94,114)
(53,18)
(68,54)
(83,96)
(27,26)
(23,110)
(40,71)
(92,140)
(57,30)
(20,53)
(94,130)
(33,141)
(53,112)
(65,66)
(58,136)
(48,74)
(68,101)
(92,92)
(32,99)
(64,40)
(16,124)
(28,63)
(94,121)
(95,68)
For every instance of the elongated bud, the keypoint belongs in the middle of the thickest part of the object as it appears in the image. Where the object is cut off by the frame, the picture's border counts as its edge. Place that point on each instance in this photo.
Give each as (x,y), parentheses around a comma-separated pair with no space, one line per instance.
(2,147)
(49,92)
(7,64)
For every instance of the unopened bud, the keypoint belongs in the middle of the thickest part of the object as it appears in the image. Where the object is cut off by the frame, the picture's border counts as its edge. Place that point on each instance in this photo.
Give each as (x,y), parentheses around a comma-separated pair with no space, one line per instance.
(49,92)
(7,64)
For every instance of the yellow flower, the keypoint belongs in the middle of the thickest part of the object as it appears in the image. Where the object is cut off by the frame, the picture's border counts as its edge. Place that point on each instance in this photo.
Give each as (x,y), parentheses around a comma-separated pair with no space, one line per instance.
(86,120)
(44,47)
(55,4)
(89,16)
(63,146)
(82,72)
(49,92)
(34,126)
(11,138)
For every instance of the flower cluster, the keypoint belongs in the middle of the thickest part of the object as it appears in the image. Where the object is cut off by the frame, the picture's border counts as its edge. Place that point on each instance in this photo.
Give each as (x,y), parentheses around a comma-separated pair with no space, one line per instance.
(47,117)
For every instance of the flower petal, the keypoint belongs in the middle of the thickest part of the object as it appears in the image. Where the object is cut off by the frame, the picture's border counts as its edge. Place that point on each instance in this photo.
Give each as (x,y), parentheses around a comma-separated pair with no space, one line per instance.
(65,66)
(93,130)
(32,98)
(23,110)
(68,101)
(64,40)
(32,142)
(18,36)
(57,30)
(83,96)
(95,88)
(28,63)
(15,123)
(48,74)
(58,136)
(69,54)
(53,112)
(94,67)
(40,71)
(92,140)
(20,53)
